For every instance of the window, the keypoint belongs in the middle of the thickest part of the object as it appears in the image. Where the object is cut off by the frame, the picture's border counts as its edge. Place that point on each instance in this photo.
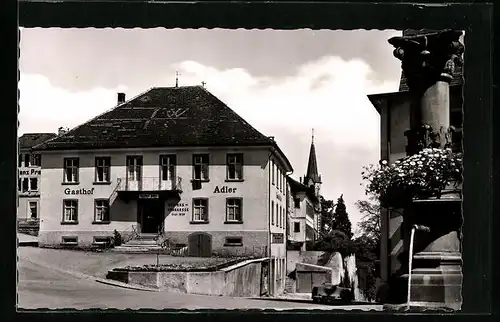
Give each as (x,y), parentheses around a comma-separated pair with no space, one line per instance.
(70,240)
(234,241)
(102,169)
(281,217)
(297,202)
(134,166)
(33,210)
(27,158)
(33,184)
(233,209)
(26,186)
(200,167)
(296,227)
(167,167)
(102,240)
(234,166)
(272,212)
(277,222)
(70,208)
(272,175)
(101,211)
(36,160)
(71,170)
(200,210)
(19,184)
(20,160)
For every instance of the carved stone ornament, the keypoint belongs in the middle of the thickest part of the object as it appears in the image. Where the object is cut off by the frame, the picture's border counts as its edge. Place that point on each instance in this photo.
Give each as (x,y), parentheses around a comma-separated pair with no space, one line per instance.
(427,137)
(428,58)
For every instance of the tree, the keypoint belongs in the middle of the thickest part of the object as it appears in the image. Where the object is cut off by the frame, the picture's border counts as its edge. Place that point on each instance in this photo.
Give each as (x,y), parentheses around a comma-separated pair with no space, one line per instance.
(369,225)
(341,218)
(368,244)
(326,216)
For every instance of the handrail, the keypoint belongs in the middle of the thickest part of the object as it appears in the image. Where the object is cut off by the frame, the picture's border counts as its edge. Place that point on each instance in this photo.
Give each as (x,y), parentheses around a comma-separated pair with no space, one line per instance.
(151,184)
(114,193)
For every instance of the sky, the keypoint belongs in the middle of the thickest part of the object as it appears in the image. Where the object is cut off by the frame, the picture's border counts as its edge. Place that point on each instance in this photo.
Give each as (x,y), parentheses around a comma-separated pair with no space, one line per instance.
(283,82)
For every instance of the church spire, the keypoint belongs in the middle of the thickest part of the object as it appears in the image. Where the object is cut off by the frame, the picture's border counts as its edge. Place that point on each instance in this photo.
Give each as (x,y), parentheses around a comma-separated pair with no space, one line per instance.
(312,166)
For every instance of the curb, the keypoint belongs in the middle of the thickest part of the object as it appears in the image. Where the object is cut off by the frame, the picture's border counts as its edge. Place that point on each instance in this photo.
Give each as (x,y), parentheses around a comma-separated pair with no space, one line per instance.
(126,285)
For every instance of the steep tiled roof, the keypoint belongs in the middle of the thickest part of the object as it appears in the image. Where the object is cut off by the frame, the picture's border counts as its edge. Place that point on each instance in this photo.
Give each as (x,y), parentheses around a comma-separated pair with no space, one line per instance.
(457,75)
(312,166)
(160,117)
(29,140)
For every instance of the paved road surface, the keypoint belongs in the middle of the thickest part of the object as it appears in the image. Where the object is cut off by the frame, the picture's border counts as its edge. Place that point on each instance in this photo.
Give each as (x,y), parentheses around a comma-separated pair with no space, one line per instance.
(40,286)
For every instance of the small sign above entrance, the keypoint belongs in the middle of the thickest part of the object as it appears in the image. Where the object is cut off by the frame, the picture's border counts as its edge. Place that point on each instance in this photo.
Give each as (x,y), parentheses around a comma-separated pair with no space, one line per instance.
(277,238)
(149,196)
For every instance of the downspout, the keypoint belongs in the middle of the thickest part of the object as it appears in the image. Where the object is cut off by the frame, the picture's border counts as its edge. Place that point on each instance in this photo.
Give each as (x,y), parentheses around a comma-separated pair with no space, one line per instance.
(269,205)
(287,191)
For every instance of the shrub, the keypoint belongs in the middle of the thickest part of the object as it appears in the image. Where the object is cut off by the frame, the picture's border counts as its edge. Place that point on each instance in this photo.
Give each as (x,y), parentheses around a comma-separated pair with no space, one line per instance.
(117,238)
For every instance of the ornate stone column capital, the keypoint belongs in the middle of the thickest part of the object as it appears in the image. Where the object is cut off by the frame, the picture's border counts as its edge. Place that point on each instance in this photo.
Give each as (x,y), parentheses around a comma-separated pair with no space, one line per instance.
(428,58)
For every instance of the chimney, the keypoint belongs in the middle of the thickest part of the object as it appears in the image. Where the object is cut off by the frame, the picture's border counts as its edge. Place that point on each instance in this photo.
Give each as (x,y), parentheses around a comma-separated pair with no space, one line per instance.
(121,98)
(62,131)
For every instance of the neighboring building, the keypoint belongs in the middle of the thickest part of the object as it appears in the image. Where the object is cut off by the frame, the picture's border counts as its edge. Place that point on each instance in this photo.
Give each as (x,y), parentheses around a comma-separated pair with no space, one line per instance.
(394,109)
(304,205)
(29,171)
(175,161)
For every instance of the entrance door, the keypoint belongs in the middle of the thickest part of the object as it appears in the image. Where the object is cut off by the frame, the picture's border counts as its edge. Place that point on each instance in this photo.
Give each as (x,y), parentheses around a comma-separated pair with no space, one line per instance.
(200,245)
(151,216)
(304,282)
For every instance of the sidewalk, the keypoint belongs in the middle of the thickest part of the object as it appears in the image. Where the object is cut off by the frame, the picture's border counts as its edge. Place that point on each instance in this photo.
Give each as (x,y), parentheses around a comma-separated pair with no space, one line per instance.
(307,298)
(295,296)
(26,240)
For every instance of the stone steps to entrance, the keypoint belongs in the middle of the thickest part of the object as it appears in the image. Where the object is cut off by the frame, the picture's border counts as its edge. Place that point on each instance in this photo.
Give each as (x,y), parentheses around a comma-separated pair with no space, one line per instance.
(141,243)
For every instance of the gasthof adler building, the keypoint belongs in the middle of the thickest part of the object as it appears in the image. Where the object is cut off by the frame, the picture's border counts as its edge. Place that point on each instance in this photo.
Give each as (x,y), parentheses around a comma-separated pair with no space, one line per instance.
(172,160)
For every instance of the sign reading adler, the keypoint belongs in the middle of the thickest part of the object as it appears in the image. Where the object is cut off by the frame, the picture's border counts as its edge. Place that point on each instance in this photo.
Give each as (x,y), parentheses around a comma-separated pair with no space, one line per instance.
(224,189)
(81,191)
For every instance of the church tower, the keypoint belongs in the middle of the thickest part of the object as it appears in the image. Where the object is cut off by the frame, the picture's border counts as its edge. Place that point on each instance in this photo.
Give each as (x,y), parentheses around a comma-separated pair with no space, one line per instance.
(312,177)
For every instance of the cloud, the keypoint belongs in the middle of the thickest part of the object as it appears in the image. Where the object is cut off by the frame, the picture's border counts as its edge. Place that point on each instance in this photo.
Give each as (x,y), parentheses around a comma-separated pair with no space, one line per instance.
(44,107)
(327,94)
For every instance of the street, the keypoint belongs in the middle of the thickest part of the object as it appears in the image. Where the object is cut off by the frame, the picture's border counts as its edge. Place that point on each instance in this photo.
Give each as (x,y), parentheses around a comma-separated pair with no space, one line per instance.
(42,284)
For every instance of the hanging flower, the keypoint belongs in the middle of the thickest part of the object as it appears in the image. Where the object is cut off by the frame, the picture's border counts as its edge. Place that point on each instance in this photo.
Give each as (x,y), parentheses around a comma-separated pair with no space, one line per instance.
(425,173)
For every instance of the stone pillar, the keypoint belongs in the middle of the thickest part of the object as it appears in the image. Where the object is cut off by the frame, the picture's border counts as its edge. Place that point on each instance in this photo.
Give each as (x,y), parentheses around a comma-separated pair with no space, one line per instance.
(428,62)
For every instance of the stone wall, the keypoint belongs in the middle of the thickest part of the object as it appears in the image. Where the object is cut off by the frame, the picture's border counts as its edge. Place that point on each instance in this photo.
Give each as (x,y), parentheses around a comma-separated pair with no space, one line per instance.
(28,227)
(240,280)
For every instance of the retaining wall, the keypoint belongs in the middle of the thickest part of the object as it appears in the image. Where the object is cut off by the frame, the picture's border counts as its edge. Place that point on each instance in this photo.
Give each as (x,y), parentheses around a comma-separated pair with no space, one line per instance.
(240,280)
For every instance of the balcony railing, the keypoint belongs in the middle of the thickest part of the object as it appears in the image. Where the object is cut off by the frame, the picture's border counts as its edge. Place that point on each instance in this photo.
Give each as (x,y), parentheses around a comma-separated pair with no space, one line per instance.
(150,184)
